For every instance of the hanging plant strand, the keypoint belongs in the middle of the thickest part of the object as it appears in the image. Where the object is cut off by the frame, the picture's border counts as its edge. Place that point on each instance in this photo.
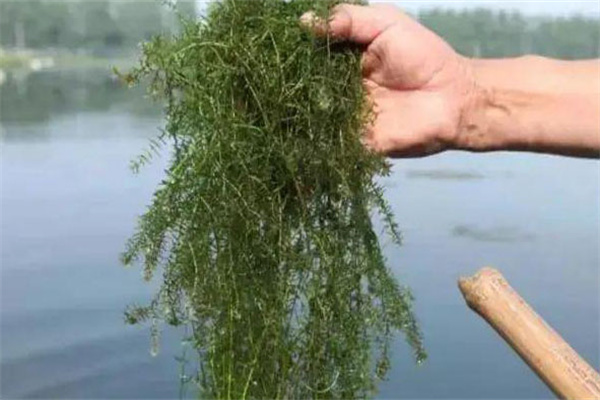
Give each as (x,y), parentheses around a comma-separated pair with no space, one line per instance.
(262,227)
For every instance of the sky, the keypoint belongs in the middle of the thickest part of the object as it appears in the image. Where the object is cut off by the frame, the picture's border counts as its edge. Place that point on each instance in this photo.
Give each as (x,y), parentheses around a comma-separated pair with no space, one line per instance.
(555,8)
(590,8)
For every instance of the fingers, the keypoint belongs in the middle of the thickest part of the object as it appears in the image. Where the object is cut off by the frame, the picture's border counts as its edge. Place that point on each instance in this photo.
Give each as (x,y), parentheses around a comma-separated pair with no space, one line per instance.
(370,62)
(360,24)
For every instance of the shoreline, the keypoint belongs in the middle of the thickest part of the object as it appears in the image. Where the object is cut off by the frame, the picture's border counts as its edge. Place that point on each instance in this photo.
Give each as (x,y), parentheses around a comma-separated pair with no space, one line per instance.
(32,61)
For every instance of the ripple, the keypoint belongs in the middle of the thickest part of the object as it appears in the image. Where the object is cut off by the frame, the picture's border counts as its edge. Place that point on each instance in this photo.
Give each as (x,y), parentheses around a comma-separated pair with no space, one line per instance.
(444,174)
(502,234)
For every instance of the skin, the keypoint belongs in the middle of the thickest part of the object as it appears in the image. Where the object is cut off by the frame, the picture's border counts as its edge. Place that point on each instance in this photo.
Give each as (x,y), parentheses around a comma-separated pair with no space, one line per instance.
(427,98)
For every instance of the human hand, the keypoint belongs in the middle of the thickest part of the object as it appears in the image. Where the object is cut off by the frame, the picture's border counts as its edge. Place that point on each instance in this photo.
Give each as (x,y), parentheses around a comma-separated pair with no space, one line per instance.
(419,86)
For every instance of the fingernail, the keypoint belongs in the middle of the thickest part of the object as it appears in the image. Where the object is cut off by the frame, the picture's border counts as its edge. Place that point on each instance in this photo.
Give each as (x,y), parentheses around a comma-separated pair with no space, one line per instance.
(311,20)
(308,18)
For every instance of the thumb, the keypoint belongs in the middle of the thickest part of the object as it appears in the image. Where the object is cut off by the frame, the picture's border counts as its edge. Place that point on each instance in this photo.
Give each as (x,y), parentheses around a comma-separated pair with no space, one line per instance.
(359,24)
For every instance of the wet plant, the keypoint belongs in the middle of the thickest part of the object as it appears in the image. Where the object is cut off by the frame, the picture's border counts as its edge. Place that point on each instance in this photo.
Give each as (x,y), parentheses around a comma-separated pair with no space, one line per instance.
(262,227)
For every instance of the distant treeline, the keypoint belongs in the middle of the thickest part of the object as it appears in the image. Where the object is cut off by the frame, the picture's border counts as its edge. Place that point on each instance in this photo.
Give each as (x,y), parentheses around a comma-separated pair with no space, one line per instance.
(484,33)
(101,25)
(92,25)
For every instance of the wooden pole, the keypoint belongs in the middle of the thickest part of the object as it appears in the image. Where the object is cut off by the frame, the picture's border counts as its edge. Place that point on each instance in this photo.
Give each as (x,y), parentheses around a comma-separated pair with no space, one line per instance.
(551,358)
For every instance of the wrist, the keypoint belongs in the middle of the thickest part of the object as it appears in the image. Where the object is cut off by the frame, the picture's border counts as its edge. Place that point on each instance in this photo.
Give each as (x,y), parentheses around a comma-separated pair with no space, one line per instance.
(474,128)
(533,104)
(496,111)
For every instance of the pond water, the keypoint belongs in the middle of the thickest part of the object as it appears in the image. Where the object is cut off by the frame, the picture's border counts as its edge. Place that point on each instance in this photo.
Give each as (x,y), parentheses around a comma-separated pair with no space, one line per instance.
(69,202)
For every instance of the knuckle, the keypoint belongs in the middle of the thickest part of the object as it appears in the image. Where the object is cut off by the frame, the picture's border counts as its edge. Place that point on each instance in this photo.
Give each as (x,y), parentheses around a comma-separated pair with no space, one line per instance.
(340,22)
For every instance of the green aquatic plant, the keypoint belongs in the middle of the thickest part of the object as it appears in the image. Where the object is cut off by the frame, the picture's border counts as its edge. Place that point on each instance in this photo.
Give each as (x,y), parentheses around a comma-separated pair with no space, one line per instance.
(262,227)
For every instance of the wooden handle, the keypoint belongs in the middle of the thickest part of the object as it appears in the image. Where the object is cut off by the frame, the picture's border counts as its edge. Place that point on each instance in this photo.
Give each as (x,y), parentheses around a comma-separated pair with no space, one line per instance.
(551,358)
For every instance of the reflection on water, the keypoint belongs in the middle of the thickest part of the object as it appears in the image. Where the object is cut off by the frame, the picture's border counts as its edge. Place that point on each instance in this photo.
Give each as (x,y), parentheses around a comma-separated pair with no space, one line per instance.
(443,174)
(503,234)
(27,98)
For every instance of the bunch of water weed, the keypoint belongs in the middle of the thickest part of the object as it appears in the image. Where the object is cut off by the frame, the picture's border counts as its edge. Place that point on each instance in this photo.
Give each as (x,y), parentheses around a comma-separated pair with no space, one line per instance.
(262,227)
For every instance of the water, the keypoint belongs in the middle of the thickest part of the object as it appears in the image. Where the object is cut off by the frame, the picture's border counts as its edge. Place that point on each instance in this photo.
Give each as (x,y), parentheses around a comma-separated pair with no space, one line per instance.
(69,202)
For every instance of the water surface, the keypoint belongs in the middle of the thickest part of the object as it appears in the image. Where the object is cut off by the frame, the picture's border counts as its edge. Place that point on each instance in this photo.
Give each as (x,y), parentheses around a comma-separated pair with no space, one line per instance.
(69,202)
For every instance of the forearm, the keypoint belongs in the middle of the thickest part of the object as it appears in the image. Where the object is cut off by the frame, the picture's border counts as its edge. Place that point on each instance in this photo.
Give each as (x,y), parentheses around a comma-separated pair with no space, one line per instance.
(533,104)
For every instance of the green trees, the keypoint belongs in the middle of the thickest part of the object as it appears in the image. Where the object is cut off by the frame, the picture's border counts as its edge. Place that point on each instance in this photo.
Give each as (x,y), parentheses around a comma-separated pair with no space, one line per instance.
(483,33)
(80,24)
(33,23)
(569,38)
(114,24)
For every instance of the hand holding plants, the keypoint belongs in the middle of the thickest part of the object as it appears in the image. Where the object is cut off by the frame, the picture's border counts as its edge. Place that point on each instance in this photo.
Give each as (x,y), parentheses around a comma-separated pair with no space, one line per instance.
(418,84)
(427,98)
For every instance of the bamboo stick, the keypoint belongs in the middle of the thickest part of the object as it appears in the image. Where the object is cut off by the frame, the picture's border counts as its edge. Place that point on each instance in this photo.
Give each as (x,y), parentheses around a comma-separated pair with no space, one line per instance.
(551,358)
